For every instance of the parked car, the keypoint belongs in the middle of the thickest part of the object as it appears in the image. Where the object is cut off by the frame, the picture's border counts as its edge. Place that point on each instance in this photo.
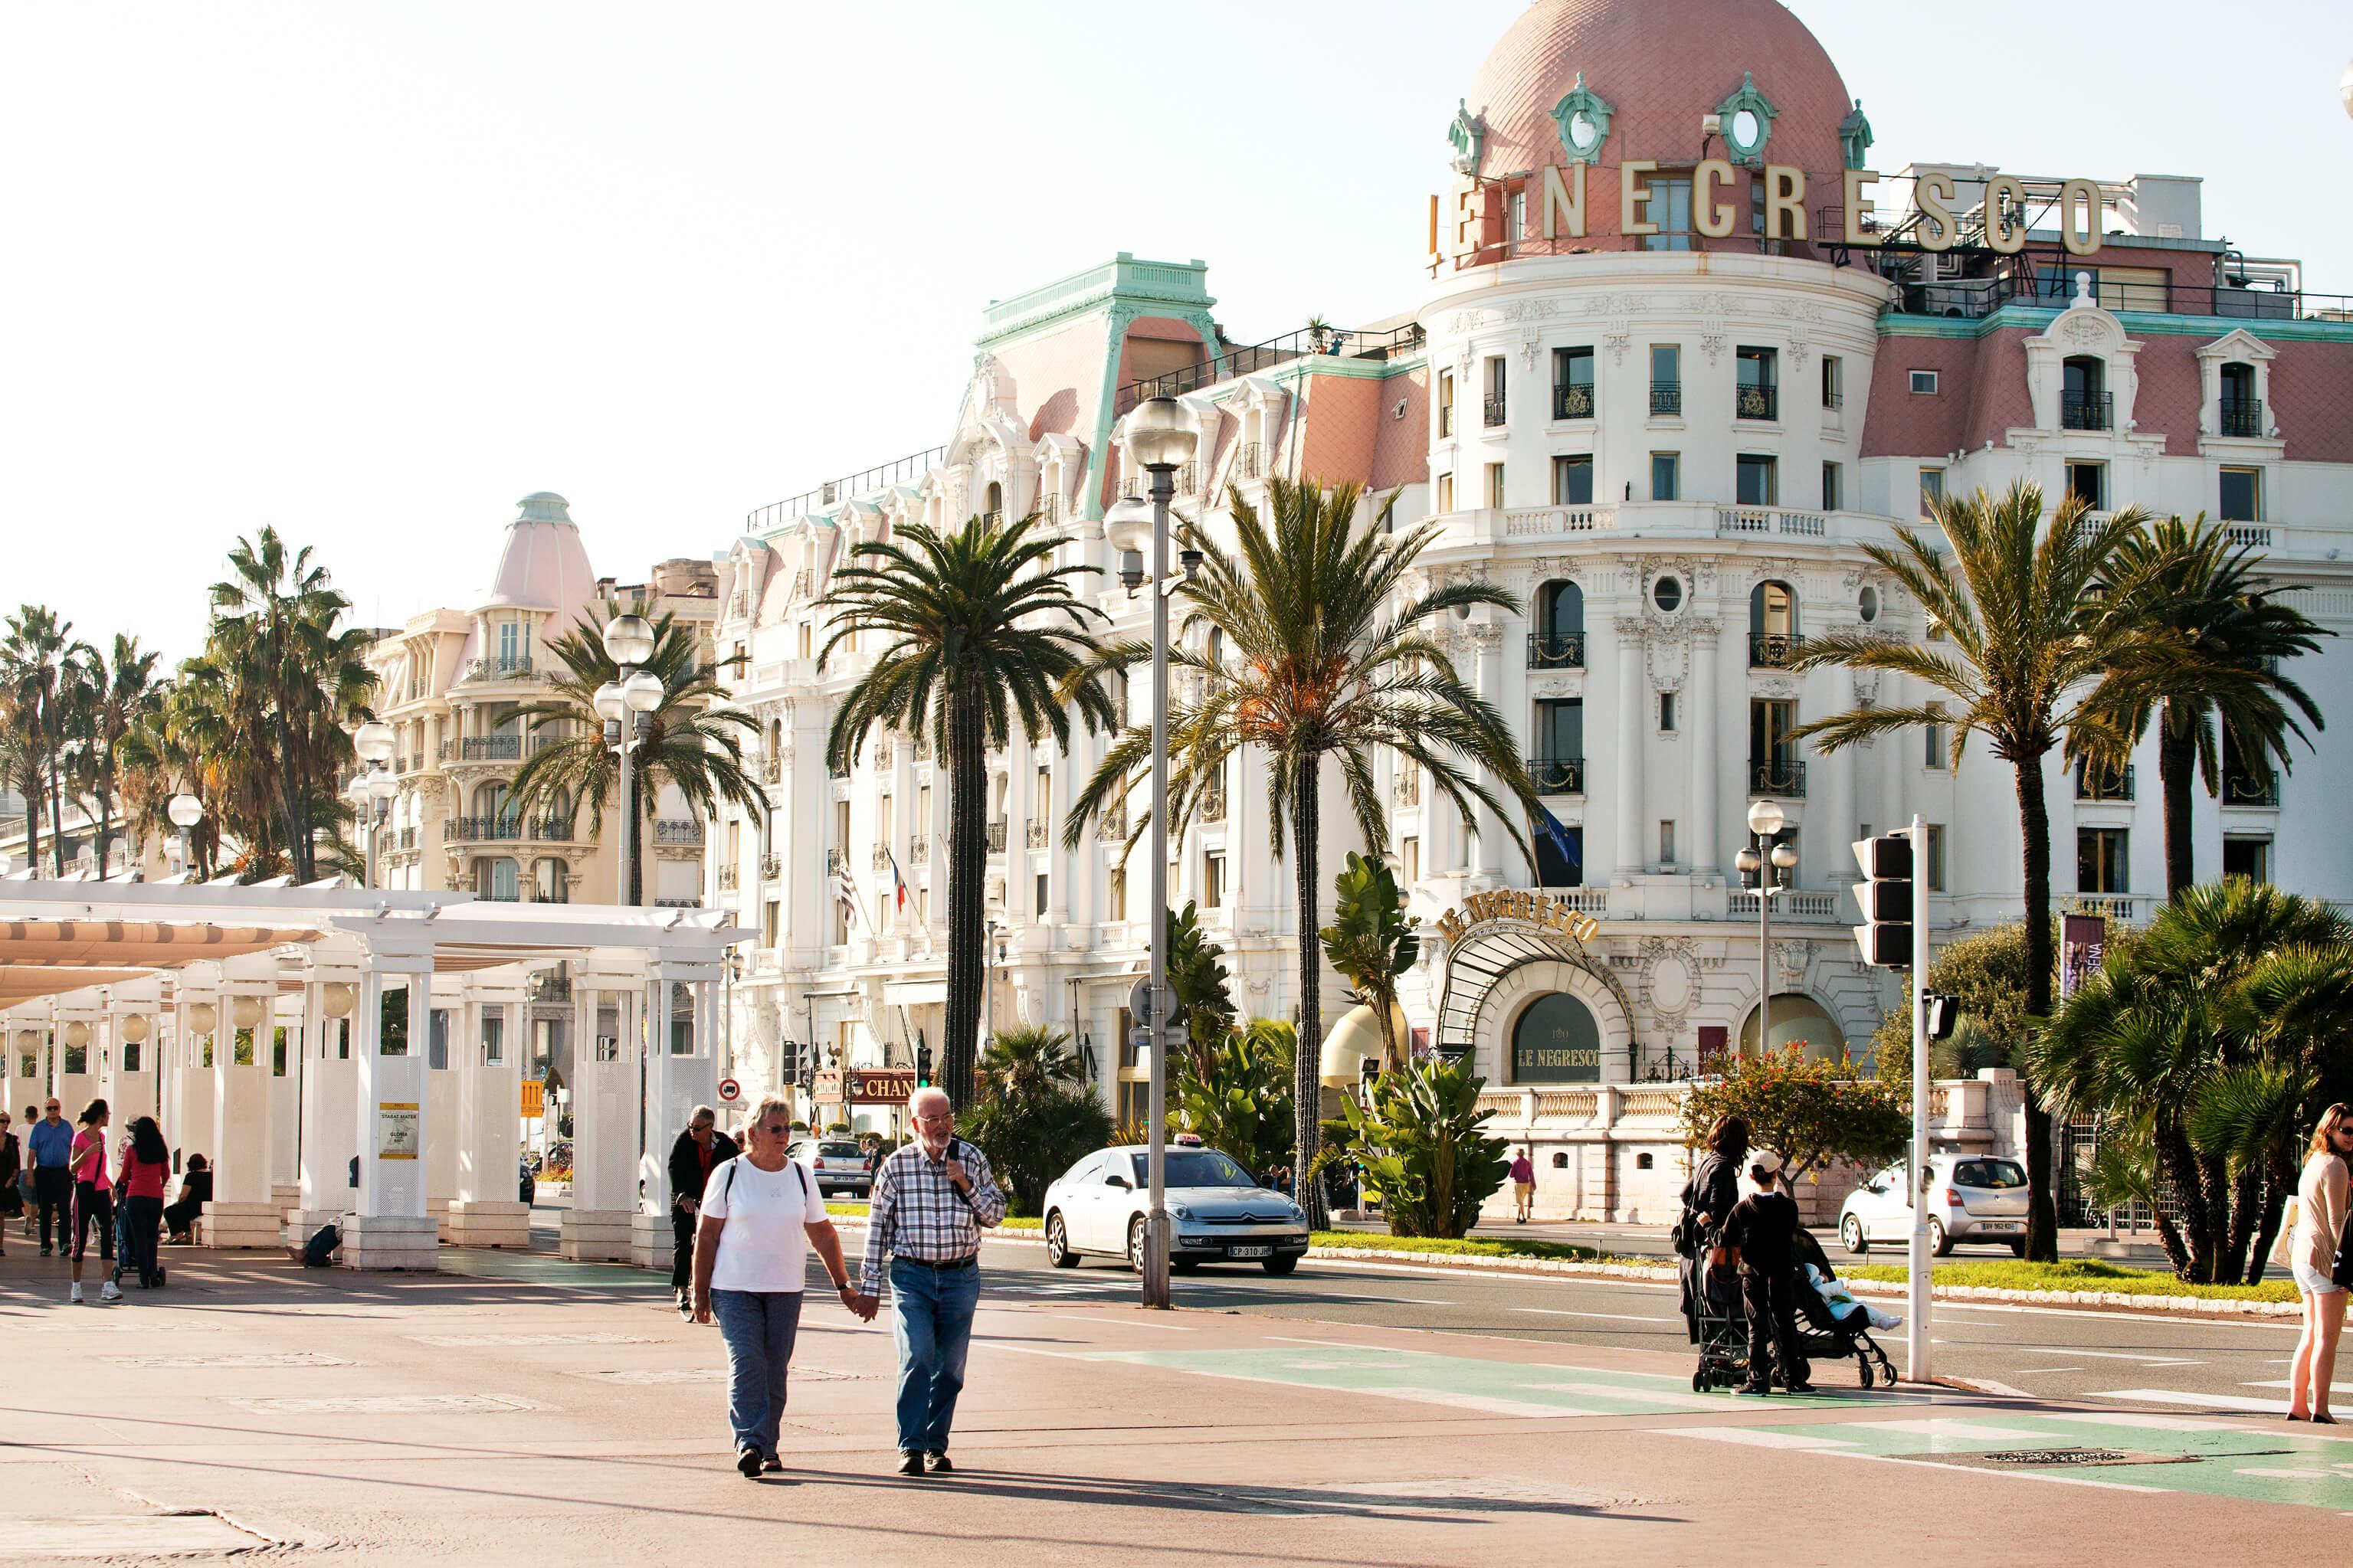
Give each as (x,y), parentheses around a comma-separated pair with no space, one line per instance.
(1218,1211)
(1972,1198)
(840,1165)
(527,1181)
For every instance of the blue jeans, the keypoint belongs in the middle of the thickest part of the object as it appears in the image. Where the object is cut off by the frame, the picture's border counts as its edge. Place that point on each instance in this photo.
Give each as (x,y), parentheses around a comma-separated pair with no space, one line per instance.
(758,1326)
(931,1320)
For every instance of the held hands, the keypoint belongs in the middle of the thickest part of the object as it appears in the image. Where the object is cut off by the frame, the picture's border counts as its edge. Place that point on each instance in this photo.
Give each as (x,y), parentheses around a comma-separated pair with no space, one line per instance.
(702,1307)
(862,1307)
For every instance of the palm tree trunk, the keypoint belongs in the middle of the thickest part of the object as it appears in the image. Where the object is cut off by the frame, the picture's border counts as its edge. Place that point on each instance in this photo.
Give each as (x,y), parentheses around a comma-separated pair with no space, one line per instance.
(105,827)
(2042,962)
(2181,1169)
(2246,1197)
(967,877)
(2279,1181)
(56,815)
(1307,1083)
(32,784)
(2175,762)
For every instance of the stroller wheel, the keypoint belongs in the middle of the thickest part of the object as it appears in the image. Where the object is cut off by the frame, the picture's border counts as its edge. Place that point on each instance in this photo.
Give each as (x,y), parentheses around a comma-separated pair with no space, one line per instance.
(1863,1370)
(1699,1382)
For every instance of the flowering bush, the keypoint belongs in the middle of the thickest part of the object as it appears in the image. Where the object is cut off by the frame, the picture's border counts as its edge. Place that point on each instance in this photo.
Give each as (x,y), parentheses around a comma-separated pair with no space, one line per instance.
(1811,1113)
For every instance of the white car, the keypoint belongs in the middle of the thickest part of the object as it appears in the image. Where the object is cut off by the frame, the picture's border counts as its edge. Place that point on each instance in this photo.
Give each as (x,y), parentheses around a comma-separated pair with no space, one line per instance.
(1976,1198)
(840,1165)
(1217,1213)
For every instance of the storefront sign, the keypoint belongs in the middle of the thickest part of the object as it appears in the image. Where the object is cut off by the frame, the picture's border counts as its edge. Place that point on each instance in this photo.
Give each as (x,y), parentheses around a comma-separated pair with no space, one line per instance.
(865,1085)
(1518,904)
(395,1129)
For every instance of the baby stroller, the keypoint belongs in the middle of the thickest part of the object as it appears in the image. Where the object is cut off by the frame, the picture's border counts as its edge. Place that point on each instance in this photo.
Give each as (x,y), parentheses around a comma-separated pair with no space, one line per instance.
(1718,1324)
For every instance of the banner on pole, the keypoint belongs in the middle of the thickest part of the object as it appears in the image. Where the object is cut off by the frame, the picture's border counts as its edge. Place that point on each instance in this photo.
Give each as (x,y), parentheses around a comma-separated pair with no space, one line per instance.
(2083,946)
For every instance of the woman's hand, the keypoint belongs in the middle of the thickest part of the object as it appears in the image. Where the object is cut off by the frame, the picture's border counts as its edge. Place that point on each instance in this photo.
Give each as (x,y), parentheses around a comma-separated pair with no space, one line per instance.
(702,1307)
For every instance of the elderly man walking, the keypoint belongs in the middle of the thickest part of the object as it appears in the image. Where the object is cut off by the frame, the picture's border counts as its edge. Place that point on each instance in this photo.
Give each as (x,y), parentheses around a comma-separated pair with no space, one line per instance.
(932,1200)
(700,1150)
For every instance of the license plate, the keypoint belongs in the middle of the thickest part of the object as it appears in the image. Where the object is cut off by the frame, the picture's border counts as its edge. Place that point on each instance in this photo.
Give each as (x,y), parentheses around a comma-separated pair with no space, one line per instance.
(1249,1252)
(2003,1225)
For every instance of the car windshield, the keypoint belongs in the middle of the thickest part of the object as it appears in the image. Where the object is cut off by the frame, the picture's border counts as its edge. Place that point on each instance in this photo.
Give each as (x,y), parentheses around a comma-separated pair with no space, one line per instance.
(1996,1173)
(1198,1168)
(840,1151)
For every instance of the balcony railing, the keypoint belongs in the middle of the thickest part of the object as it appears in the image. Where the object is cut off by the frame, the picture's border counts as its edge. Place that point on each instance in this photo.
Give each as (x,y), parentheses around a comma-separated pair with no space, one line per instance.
(1112,826)
(1557,775)
(1758,403)
(1492,411)
(490,748)
(2240,787)
(678,903)
(728,877)
(996,836)
(1666,397)
(2242,417)
(919,850)
(2104,784)
(1572,402)
(1406,788)
(1445,420)
(1565,651)
(477,829)
(1189,478)
(1974,297)
(881,859)
(497,670)
(1773,650)
(772,866)
(772,769)
(923,745)
(677,830)
(886,752)
(1249,460)
(1213,801)
(1257,357)
(2118,908)
(1037,832)
(836,861)
(1780,777)
(2084,410)
(1769,520)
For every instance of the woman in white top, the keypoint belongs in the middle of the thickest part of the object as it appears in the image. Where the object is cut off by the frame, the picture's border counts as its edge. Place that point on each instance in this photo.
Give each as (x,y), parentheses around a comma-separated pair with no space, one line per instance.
(760,1210)
(2312,1258)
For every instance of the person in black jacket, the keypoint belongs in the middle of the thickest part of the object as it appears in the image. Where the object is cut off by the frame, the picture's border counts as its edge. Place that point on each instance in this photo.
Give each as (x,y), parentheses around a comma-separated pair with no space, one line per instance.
(1708,1199)
(699,1150)
(195,1192)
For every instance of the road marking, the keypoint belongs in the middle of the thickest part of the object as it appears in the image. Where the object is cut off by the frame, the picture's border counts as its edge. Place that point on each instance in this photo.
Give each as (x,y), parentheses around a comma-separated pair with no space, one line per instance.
(2282,1382)
(1988,1386)
(2177,1396)
(2027,1369)
(1342,1345)
(1135,1322)
(1647,1396)
(1752,1436)
(1614,1317)
(2104,1356)
(1486,1404)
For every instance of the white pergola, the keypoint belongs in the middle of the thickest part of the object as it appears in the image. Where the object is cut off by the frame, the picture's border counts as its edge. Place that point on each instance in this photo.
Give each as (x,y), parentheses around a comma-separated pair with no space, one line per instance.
(171,998)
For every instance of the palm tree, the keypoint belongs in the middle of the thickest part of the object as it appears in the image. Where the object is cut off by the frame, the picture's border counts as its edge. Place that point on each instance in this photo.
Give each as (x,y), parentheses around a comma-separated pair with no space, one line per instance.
(2025,637)
(2204,643)
(156,762)
(687,743)
(1324,657)
(37,654)
(986,630)
(1372,943)
(275,646)
(1021,1063)
(2208,1045)
(110,696)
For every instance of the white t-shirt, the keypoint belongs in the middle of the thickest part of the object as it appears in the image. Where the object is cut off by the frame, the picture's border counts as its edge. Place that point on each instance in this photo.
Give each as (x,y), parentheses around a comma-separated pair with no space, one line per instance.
(763,1245)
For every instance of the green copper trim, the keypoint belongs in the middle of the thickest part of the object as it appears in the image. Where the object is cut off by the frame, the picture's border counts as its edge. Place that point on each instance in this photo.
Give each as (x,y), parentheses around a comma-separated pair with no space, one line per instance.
(2141,323)
(1751,101)
(1582,100)
(1153,288)
(1854,135)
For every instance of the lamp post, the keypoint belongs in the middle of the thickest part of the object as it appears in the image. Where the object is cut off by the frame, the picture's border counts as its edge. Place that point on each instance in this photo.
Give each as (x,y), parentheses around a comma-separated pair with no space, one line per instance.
(372,791)
(185,811)
(1771,864)
(623,703)
(989,992)
(1159,438)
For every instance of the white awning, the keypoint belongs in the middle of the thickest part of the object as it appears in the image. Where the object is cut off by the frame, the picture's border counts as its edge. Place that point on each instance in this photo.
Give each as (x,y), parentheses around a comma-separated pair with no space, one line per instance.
(915,994)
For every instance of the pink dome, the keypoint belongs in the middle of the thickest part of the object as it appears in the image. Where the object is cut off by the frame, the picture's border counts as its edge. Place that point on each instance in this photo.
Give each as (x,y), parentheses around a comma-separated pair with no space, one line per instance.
(1660,65)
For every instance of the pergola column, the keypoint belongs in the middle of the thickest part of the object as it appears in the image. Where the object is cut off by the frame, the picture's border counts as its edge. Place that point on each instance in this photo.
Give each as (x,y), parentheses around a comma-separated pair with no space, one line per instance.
(447,1018)
(329,1101)
(294,1016)
(243,1212)
(605,1111)
(389,1227)
(681,1072)
(188,1083)
(486,1057)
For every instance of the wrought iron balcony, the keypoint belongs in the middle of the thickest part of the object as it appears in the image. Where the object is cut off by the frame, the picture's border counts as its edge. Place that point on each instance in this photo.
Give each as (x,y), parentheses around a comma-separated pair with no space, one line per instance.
(2242,417)
(1773,650)
(1213,801)
(1112,826)
(2084,410)
(1565,651)
(836,861)
(881,859)
(728,876)
(518,668)
(1782,776)
(1492,412)
(919,850)
(677,830)
(1249,460)
(772,866)
(996,836)
(923,745)
(1758,403)
(478,829)
(1666,397)
(1557,775)
(886,752)
(490,748)
(772,769)
(1406,788)
(2104,784)
(1574,401)
(2242,787)
(1038,832)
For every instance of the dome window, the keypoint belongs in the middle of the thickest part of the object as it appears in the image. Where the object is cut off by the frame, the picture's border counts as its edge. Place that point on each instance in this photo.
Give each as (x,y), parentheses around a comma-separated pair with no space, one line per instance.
(1747,119)
(1583,116)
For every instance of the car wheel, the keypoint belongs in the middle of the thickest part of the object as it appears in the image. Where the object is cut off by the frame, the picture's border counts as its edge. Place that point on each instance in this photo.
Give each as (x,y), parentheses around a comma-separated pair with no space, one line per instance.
(1058,1243)
(1279,1264)
(1135,1244)
(1851,1233)
(1939,1242)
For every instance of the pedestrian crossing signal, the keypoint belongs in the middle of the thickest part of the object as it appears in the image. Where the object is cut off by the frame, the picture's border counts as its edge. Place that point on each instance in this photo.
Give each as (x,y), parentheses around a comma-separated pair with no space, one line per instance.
(1885,896)
(923,1066)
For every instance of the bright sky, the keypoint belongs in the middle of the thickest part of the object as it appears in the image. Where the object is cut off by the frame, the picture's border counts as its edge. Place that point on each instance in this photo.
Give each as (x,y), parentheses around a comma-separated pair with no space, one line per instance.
(372,272)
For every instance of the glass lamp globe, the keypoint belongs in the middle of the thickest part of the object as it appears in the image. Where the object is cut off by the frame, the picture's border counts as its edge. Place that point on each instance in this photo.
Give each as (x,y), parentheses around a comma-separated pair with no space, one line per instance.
(1784,857)
(1128,525)
(1765,817)
(609,703)
(1160,435)
(642,692)
(185,811)
(247,1011)
(629,640)
(28,1039)
(374,740)
(201,1017)
(1747,862)
(134,1027)
(77,1034)
(336,1000)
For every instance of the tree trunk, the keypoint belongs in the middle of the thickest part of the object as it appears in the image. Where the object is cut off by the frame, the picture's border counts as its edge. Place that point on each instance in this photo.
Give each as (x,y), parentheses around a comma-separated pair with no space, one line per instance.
(32,823)
(105,829)
(2246,1197)
(56,816)
(967,877)
(1307,1082)
(2177,764)
(2179,1166)
(2042,962)
(2280,1183)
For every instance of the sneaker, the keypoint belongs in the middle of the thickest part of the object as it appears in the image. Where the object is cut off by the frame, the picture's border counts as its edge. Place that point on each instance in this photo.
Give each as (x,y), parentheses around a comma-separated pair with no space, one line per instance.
(1801,1386)
(685,1307)
(45,1252)
(109,1291)
(1753,1386)
(75,1297)
(771,1462)
(748,1462)
(911,1462)
(939,1462)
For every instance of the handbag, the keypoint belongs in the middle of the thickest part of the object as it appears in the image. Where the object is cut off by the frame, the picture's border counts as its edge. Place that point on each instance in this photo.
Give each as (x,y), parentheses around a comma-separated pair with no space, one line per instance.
(2341,1271)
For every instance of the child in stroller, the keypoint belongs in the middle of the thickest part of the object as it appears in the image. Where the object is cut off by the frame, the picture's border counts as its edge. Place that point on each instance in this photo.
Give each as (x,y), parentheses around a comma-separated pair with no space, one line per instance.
(1833,1325)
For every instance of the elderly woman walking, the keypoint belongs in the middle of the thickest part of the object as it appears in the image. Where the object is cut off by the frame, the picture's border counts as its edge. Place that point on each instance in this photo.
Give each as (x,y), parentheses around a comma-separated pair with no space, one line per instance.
(761,1212)
(2320,1201)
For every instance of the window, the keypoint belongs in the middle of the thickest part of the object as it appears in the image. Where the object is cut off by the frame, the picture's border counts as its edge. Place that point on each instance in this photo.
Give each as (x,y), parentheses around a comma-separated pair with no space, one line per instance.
(2247,857)
(2242,414)
(2100,860)
(1924,382)
(1833,496)
(1667,592)
(1496,486)
(510,645)
(1492,411)
(1572,383)
(1117,895)
(1213,881)
(2242,495)
(805,640)
(1446,492)
(1772,610)
(1666,842)
(1770,719)
(1834,382)
(494,1037)
(1572,481)
(1560,734)
(1040,907)
(1758,395)
(1445,403)
(436,1038)
(1666,475)
(770,918)
(1666,378)
(1667,712)
(1932,490)
(2082,395)
(1409,861)
(1933,754)
(1758,480)
(1935,857)
(1670,207)
(2089,480)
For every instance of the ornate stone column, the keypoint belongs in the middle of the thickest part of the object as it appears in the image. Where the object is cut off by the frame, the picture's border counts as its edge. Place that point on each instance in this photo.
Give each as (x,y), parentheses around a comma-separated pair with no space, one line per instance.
(1488,640)
(1626,809)
(1706,729)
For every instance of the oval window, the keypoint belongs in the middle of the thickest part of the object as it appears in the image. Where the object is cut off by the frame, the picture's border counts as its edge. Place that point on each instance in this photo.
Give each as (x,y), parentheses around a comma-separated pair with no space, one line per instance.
(1867,603)
(1583,133)
(1667,592)
(1746,129)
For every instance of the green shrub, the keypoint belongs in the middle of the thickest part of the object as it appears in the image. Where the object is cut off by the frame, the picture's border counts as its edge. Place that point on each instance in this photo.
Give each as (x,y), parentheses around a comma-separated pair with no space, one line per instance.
(1032,1140)
(1244,1107)
(1422,1151)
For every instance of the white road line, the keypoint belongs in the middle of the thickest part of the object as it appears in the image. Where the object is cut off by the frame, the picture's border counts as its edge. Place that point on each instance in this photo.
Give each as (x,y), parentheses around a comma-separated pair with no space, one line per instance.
(1752,1436)
(2103,1355)
(1614,1317)
(2282,1382)
(2177,1396)
(2002,1390)
(1343,1345)
(2027,1369)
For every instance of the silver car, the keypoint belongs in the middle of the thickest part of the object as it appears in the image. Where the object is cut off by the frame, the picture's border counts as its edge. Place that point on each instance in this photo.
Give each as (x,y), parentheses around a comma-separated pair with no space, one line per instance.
(1974,1198)
(1217,1213)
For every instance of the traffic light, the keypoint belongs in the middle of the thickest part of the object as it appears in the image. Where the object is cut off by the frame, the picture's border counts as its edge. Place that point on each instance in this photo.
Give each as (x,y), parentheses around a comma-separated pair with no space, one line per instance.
(1944,1012)
(789,1061)
(923,1066)
(1886,895)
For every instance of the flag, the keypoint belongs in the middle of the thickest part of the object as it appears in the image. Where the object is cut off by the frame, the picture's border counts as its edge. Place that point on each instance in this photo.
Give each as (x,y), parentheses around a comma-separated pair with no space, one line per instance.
(1549,830)
(897,887)
(844,890)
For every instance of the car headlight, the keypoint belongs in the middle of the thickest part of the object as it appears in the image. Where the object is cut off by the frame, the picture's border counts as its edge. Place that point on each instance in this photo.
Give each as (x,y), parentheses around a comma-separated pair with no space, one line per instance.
(1180,1211)
(1298,1213)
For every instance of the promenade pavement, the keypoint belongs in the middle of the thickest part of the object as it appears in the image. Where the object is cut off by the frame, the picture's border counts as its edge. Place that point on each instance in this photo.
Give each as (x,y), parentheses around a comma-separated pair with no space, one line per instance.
(518,1408)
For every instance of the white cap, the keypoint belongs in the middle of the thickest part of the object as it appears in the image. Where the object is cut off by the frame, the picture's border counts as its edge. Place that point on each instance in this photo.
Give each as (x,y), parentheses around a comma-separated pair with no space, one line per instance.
(1765,1160)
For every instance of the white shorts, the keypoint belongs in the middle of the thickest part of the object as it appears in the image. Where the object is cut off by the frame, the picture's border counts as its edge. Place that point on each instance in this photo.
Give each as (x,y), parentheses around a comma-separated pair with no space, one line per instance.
(2313,1281)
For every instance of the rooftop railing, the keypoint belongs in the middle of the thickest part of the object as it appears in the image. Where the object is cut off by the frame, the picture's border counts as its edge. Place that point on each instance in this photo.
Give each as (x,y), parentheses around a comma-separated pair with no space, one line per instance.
(904,470)
(1307,341)
(1972,299)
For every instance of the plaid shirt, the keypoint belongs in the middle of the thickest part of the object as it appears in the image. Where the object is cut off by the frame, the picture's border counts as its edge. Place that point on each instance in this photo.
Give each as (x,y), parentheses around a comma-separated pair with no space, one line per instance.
(916,1212)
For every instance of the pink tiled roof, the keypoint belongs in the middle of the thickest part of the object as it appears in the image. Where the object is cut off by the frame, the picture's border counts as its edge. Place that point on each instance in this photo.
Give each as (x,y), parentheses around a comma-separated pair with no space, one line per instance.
(544,565)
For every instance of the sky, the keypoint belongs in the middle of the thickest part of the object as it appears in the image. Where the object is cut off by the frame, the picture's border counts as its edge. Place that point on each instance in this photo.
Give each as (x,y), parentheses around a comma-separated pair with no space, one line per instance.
(372,272)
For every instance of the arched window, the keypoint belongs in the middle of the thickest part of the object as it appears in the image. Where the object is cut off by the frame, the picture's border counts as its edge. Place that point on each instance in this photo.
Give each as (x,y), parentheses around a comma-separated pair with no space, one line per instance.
(996,509)
(2084,394)
(1216,648)
(1772,625)
(1798,1020)
(2242,415)
(498,879)
(1558,641)
(492,804)
(1556,1040)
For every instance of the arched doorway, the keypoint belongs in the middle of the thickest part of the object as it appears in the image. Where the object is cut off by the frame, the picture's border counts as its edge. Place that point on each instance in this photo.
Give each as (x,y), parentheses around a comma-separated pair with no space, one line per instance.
(1797,1019)
(1555,1040)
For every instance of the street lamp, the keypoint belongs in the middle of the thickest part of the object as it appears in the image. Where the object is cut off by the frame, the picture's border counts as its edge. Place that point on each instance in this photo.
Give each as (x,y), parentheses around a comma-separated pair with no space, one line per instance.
(634,693)
(1159,438)
(185,811)
(372,791)
(1765,818)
